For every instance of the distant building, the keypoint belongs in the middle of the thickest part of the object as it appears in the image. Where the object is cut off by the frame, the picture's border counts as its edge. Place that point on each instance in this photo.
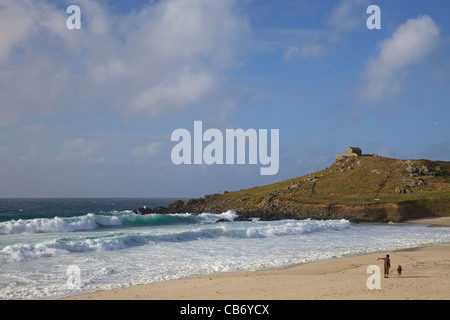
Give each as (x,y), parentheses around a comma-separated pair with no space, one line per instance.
(353,150)
(349,152)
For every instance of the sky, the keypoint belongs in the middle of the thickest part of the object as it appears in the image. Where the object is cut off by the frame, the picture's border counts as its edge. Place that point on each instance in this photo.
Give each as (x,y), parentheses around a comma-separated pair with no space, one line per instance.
(90,112)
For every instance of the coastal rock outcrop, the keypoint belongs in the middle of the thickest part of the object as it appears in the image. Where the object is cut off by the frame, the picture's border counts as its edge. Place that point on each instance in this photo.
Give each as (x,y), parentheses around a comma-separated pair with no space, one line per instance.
(359,189)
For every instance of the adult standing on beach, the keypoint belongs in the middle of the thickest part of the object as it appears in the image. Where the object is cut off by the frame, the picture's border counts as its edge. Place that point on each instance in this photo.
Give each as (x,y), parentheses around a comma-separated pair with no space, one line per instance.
(387,265)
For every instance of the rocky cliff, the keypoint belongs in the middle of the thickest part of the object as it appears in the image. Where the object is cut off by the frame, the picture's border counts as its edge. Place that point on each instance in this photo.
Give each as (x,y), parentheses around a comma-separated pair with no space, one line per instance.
(364,189)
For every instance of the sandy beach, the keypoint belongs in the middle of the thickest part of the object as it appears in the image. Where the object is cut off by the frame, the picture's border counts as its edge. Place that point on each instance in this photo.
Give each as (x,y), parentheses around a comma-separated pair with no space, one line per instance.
(426,275)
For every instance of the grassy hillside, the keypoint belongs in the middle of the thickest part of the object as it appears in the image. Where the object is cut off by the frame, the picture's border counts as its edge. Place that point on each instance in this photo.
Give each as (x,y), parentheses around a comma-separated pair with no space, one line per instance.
(358,180)
(364,188)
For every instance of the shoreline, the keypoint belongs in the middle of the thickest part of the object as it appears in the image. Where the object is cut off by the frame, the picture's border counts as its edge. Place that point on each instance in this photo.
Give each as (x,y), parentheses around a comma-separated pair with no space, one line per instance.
(426,272)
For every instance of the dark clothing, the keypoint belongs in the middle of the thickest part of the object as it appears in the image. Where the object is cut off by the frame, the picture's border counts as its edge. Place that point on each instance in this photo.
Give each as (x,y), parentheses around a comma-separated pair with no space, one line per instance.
(387,266)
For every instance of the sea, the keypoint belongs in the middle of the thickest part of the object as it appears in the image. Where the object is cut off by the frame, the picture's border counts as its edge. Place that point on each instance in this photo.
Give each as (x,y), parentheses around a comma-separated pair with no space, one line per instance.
(52,248)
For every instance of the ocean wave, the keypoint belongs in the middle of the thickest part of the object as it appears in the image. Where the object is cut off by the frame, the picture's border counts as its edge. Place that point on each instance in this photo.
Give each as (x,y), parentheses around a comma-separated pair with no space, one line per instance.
(127,239)
(93,221)
(57,224)
(64,246)
(288,227)
(212,217)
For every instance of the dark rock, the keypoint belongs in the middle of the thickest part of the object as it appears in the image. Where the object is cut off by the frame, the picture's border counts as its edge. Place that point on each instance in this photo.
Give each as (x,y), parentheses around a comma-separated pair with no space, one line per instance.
(144,210)
(176,206)
(160,210)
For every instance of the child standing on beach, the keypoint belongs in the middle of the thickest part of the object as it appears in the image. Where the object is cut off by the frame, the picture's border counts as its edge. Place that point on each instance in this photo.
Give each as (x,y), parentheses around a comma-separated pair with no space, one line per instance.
(399,270)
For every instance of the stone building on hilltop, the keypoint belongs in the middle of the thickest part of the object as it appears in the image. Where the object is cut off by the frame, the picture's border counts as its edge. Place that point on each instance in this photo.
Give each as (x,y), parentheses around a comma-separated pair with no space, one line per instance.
(349,152)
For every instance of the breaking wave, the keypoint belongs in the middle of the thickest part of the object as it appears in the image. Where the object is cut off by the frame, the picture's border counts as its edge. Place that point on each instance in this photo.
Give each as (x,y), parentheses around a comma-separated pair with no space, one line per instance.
(93,221)
(122,240)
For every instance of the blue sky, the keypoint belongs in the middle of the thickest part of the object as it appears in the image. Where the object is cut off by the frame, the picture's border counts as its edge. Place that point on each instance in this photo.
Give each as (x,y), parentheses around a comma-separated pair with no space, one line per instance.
(90,112)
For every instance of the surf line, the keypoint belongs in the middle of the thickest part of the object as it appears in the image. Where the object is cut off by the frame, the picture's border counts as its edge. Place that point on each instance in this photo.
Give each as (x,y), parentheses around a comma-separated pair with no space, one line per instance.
(235,140)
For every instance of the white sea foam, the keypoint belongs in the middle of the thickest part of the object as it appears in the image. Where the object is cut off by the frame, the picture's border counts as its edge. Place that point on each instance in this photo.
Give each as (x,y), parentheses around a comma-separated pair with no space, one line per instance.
(164,247)
(26,252)
(296,228)
(92,221)
(122,240)
(211,217)
(58,224)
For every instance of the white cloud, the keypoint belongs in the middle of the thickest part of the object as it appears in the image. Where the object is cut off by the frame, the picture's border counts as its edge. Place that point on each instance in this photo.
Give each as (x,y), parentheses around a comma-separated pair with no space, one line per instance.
(295,43)
(345,16)
(146,151)
(174,94)
(78,149)
(408,45)
(32,152)
(169,56)
(348,15)
(305,51)
(15,24)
